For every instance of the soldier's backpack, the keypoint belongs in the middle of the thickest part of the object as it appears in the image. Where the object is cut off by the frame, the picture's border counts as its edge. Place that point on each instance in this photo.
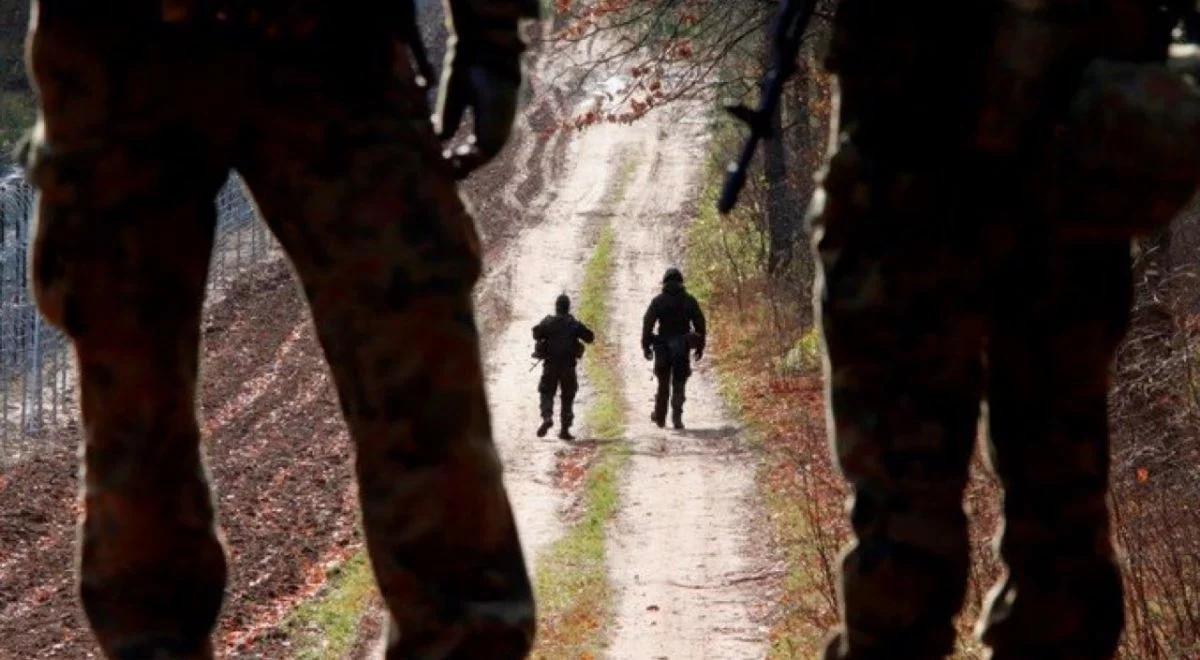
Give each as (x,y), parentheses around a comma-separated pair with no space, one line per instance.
(561,342)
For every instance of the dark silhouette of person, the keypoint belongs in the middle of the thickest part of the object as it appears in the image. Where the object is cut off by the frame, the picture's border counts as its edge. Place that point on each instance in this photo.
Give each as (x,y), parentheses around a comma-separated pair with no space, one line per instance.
(145,108)
(681,331)
(993,162)
(559,344)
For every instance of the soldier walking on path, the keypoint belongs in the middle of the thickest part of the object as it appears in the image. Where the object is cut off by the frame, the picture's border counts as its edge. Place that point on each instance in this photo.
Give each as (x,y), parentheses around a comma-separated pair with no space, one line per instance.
(145,109)
(681,331)
(995,159)
(559,343)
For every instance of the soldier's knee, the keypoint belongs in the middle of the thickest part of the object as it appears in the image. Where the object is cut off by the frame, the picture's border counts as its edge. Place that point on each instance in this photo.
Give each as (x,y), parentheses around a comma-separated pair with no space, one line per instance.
(838,201)
(51,302)
(52,289)
(925,519)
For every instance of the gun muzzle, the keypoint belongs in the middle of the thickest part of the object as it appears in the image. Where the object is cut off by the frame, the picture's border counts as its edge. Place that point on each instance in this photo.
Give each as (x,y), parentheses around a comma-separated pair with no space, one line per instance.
(735,180)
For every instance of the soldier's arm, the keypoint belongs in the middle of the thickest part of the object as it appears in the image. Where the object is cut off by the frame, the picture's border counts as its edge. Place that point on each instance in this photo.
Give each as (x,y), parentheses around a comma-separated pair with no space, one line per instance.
(482,72)
(699,324)
(584,333)
(648,322)
(489,27)
(539,330)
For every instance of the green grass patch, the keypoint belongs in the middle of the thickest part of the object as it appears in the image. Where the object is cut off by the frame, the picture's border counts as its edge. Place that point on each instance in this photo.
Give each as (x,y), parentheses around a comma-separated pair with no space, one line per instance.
(571,583)
(605,419)
(328,626)
(574,595)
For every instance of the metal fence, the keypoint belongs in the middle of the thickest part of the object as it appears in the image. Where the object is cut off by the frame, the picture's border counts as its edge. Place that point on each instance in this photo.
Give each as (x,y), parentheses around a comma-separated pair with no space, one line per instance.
(36,372)
(242,240)
(33,369)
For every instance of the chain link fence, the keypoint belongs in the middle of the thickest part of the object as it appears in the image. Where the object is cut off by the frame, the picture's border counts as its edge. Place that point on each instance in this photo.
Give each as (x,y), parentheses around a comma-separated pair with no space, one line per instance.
(242,240)
(36,372)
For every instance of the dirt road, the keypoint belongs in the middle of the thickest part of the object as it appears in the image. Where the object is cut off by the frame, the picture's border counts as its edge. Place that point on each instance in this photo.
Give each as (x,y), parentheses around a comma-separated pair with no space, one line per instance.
(545,260)
(678,552)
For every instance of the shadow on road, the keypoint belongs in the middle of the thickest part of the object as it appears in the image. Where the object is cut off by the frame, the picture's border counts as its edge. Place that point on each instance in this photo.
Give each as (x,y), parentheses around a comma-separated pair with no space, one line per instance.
(722,433)
(584,443)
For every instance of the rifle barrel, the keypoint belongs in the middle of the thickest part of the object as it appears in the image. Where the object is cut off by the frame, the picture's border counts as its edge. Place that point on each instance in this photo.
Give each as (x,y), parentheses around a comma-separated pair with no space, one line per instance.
(735,179)
(760,127)
(787,31)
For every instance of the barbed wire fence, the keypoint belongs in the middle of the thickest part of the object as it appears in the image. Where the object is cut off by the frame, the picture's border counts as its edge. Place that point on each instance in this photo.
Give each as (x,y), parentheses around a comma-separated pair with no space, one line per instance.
(37,382)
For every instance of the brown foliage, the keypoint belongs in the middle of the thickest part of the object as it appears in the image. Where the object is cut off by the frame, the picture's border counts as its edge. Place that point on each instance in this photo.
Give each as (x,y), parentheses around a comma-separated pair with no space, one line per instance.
(1155,412)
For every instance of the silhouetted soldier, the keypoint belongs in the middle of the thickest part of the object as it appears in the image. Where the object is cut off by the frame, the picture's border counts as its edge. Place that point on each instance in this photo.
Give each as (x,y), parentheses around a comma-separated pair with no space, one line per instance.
(994,160)
(681,330)
(145,108)
(558,340)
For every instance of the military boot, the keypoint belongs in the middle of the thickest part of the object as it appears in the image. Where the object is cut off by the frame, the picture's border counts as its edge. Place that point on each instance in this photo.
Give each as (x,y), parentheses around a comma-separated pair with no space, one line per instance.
(546,424)
(565,434)
(676,419)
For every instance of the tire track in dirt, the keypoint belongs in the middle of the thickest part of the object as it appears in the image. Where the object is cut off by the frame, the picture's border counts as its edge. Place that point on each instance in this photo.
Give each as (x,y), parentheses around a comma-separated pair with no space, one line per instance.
(546,259)
(679,551)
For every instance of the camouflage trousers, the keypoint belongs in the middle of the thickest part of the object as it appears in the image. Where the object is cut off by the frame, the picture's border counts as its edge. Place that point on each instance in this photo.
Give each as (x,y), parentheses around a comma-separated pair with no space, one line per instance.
(140,125)
(921,324)
(943,289)
(559,378)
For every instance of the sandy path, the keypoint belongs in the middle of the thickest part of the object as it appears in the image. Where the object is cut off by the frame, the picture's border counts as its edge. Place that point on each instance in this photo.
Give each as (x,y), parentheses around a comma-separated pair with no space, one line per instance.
(544,260)
(677,551)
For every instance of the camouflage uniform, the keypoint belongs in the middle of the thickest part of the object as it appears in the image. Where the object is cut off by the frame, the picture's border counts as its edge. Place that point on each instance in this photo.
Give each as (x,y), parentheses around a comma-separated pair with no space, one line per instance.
(146,106)
(681,328)
(952,273)
(560,334)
